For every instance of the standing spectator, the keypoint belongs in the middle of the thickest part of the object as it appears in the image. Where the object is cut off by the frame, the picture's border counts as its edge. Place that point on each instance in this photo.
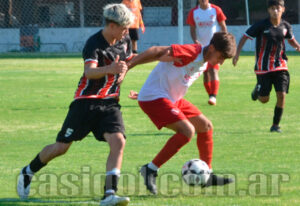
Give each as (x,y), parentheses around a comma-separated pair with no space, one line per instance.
(204,20)
(95,107)
(136,7)
(271,60)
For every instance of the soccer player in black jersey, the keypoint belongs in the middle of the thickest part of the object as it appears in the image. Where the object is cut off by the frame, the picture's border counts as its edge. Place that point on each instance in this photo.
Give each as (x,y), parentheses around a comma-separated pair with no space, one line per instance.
(95,107)
(271,60)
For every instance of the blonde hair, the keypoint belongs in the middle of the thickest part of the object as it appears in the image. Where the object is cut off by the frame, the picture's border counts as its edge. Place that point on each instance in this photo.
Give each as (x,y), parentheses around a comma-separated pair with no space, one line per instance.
(118,13)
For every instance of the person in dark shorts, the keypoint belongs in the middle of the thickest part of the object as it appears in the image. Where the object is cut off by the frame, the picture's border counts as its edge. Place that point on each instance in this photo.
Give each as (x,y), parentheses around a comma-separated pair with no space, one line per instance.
(95,107)
(271,60)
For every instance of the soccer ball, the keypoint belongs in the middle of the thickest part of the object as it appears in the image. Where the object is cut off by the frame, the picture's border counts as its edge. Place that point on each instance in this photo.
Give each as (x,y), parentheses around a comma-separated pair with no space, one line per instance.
(195,172)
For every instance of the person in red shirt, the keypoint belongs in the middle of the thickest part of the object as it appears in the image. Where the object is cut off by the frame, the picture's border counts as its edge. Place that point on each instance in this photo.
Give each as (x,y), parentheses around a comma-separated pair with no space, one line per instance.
(136,7)
(204,20)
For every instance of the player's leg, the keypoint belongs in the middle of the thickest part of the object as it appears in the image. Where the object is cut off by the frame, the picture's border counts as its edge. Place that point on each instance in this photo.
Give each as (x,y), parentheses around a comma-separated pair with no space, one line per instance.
(134,36)
(281,81)
(72,129)
(116,142)
(204,129)
(263,87)
(164,113)
(212,83)
(110,127)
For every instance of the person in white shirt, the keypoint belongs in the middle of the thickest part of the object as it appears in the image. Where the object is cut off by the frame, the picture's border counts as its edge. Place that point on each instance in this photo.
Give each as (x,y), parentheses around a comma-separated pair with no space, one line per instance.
(204,20)
(161,98)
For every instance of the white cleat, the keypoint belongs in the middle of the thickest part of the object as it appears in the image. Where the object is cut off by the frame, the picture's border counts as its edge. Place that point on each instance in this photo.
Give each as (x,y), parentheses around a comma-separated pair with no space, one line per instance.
(115,200)
(212,100)
(23,186)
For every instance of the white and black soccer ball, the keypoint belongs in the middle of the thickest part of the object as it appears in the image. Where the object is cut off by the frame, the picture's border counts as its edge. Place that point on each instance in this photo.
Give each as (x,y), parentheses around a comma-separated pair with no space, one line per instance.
(195,172)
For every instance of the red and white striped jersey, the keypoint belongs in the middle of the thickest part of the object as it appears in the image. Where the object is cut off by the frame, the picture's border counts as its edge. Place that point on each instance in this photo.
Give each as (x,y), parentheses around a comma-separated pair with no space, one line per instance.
(98,50)
(206,22)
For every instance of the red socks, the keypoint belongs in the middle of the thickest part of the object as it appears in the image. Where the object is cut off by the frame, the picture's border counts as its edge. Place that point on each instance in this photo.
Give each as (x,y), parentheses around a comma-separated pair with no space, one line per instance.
(172,146)
(212,87)
(205,146)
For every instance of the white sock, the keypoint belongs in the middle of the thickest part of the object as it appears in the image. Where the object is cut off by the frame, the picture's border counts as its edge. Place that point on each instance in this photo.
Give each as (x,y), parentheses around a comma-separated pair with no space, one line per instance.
(153,166)
(114,171)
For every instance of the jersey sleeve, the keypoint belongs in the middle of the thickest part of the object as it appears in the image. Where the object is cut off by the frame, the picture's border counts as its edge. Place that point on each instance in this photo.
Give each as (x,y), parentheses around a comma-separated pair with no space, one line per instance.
(186,53)
(220,15)
(289,33)
(89,53)
(254,31)
(190,19)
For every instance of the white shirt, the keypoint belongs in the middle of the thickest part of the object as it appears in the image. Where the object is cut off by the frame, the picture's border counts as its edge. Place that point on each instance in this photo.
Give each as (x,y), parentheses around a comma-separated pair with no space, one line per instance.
(206,22)
(170,81)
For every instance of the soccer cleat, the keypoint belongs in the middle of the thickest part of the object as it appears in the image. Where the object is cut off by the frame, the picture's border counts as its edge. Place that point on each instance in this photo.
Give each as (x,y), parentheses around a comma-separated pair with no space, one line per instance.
(212,100)
(275,128)
(254,93)
(214,180)
(112,200)
(149,178)
(23,186)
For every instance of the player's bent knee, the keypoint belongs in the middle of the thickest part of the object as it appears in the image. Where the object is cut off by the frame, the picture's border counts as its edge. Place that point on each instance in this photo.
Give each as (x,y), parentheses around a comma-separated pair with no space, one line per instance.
(116,141)
(61,148)
(263,99)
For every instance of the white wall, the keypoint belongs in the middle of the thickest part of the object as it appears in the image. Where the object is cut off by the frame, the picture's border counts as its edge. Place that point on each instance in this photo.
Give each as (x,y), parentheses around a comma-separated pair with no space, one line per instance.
(73,39)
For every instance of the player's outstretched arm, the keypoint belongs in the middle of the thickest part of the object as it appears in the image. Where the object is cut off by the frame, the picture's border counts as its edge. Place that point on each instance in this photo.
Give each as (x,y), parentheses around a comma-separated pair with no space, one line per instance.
(294,43)
(239,49)
(152,54)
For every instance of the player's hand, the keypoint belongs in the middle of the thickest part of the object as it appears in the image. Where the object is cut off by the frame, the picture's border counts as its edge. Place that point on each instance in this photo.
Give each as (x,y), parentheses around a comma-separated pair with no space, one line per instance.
(133,95)
(121,77)
(118,67)
(298,49)
(235,60)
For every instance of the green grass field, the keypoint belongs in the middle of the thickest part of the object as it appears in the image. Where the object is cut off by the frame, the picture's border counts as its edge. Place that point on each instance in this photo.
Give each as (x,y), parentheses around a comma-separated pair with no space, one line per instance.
(35,94)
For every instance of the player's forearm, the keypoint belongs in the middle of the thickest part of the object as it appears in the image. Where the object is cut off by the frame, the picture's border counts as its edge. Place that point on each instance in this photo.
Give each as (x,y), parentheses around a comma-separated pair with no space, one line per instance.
(95,73)
(294,43)
(150,55)
(241,45)
(193,34)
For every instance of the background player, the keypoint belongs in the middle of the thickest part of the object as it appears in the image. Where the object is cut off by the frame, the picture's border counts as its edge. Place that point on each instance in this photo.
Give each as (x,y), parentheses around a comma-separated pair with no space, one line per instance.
(136,7)
(95,107)
(204,20)
(161,98)
(271,60)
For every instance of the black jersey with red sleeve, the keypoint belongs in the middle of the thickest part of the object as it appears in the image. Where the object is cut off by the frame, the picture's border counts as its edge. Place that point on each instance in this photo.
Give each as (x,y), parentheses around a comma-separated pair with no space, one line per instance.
(270,46)
(97,50)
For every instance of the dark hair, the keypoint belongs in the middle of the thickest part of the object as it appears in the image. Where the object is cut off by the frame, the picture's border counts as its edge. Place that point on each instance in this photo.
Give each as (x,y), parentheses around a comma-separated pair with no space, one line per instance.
(224,42)
(275,3)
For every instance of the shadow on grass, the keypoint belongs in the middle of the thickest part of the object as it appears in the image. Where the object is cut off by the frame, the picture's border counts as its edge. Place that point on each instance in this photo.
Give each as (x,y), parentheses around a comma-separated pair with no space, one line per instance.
(48,201)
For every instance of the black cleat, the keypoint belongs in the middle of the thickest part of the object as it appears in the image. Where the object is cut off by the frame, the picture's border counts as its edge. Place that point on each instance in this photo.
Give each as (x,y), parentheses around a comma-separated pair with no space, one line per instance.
(275,128)
(254,93)
(214,180)
(149,178)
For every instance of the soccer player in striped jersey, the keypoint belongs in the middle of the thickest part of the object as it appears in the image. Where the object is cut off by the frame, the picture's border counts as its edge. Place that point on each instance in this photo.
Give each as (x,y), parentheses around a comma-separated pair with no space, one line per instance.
(95,107)
(271,60)
(204,20)
(161,98)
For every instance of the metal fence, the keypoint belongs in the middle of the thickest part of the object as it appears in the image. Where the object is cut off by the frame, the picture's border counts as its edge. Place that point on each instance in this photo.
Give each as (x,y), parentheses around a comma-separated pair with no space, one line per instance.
(26,25)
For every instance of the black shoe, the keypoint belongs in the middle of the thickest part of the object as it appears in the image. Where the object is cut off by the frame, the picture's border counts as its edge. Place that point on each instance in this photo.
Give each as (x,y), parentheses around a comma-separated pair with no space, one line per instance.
(275,128)
(254,93)
(214,180)
(149,178)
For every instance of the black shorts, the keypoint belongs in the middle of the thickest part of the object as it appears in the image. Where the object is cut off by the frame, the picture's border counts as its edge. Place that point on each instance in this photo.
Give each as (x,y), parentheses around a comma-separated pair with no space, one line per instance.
(91,115)
(134,34)
(280,80)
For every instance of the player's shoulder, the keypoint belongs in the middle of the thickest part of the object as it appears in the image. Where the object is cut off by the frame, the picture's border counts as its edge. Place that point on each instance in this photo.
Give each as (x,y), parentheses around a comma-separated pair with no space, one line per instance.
(194,9)
(286,23)
(215,7)
(95,39)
